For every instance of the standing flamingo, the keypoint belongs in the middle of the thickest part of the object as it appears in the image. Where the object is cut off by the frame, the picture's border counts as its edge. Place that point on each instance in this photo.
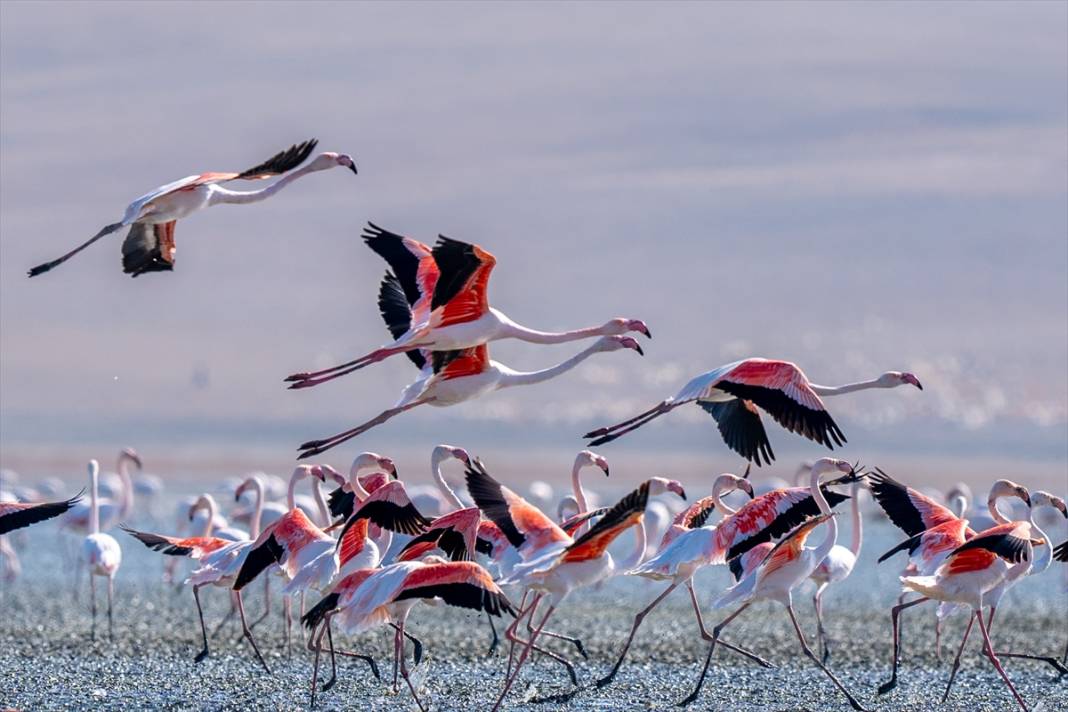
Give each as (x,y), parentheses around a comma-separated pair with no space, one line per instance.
(149,245)
(109,512)
(786,566)
(686,547)
(934,533)
(553,563)
(732,395)
(458,376)
(1060,553)
(837,567)
(436,300)
(972,569)
(101,553)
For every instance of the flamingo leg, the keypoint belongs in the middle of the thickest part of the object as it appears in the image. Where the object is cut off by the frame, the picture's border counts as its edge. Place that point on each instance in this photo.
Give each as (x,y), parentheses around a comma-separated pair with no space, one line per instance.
(821,632)
(524,655)
(638,618)
(994,659)
(248,632)
(92,598)
(812,656)
(266,602)
(111,594)
(496,639)
(895,617)
(956,660)
(315,378)
(708,660)
(938,637)
(287,606)
(106,230)
(315,447)
(708,636)
(404,667)
(1059,667)
(510,634)
(608,429)
(227,618)
(560,636)
(317,638)
(630,425)
(203,630)
(300,627)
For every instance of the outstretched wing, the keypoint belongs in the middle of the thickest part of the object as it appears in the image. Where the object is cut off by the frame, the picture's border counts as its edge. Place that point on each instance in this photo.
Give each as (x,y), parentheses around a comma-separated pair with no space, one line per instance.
(397,314)
(520,521)
(279,163)
(193,547)
(390,508)
(625,514)
(739,424)
(464,276)
(410,260)
(148,248)
(15,515)
(909,510)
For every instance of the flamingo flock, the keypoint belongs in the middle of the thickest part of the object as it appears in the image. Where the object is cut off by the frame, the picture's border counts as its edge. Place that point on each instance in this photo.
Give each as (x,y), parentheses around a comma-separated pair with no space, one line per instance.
(363,556)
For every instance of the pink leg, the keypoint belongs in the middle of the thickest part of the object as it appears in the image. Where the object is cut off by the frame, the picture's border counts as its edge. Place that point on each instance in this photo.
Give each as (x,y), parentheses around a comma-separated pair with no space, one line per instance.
(248,632)
(956,660)
(404,667)
(812,656)
(708,636)
(708,660)
(606,430)
(314,378)
(315,447)
(994,659)
(895,617)
(638,618)
(523,656)
(631,425)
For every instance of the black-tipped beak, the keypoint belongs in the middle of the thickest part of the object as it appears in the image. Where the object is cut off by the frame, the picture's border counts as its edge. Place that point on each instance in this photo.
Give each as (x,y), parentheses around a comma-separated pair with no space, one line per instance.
(638,348)
(648,334)
(919,385)
(682,493)
(1027,499)
(353,169)
(606,471)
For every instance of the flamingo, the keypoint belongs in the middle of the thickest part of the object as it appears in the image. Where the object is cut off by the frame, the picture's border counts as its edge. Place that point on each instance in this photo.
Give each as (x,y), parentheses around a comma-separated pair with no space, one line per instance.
(388,595)
(972,569)
(554,564)
(149,245)
(734,395)
(787,565)
(934,533)
(458,376)
(101,553)
(436,300)
(15,515)
(343,499)
(1060,553)
(685,548)
(837,567)
(109,512)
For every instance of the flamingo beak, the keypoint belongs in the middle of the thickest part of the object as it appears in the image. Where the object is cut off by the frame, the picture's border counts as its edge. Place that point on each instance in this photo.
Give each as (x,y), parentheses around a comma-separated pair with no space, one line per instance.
(638,348)
(747,487)
(352,167)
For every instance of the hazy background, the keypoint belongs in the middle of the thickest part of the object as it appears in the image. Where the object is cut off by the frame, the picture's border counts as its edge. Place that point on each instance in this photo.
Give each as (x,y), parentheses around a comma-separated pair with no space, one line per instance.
(856,187)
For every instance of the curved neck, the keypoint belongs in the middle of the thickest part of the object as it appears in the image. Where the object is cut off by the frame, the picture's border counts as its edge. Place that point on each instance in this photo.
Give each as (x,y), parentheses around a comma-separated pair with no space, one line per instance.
(847,388)
(211,509)
(858,522)
(446,491)
(257,513)
(717,491)
(992,505)
(94,513)
(576,486)
(1047,549)
(320,503)
(127,486)
(959,505)
(355,486)
(828,542)
(526,378)
(640,543)
(291,494)
(242,197)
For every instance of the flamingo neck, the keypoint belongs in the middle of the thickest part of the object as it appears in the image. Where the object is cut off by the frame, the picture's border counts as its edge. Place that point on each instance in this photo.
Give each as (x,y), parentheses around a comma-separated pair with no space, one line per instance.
(858,521)
(212,509)
(320,503)
(526,378)
(257,513)
(959,505)
(127,486)
(291,494)
(847,388)
(1047,550)
(992,506)
(640,544)
(446,491)
(243,197)
(576,485)
(717,491)
(829,540)
(94,512)
(518,331)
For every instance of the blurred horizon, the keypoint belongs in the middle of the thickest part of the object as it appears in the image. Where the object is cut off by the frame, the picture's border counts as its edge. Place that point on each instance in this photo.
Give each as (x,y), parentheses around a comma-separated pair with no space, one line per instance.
(856,188)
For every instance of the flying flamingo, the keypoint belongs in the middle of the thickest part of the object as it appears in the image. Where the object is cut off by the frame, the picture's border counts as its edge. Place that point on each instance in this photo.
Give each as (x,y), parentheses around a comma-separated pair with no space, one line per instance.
(100,552)
(458,376)
(553,563)
(388,595)
(972,569)
(686,547)
(837,567)
(786,566)
(109,512)
(734,395)
(149,245)
(15,515)
(934,533)
(436,300)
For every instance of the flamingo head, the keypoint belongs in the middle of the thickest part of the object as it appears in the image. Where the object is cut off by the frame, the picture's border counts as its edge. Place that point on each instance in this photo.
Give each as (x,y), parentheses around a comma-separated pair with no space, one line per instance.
(367,460)
(826,465)
(615,343)
(329,159)
(252,481)
(204,501)
(660,485)
(1041,497)
(588,458)
(619,326)
(567,508)
(893,379)
(1007,488)
(442,452)
(328,471)
(743,484)
(130,454)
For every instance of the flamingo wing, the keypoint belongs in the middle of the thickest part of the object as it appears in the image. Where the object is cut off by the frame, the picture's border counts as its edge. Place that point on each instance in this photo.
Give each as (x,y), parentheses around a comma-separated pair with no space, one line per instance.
(626,513)
(766,518)
(450,533)
(397,313)
(461,286)
(266,551)
(1061,552)
(571,524)
(193,547)
(909,510)
(942,537)
(410,261)
(790,546)
(281,162)
(517,519)
(390,508)
(781,389)
(741,428)
(15,515)
(1012,542)
(460,363)
(148,248)
(458,583)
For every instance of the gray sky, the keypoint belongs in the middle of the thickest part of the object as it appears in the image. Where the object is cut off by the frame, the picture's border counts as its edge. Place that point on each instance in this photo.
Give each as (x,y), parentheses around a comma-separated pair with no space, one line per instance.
(856,187)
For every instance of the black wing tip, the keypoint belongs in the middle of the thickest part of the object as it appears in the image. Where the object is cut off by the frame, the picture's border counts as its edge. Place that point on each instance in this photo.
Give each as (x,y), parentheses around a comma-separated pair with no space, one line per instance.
(42,268)
(318,612)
